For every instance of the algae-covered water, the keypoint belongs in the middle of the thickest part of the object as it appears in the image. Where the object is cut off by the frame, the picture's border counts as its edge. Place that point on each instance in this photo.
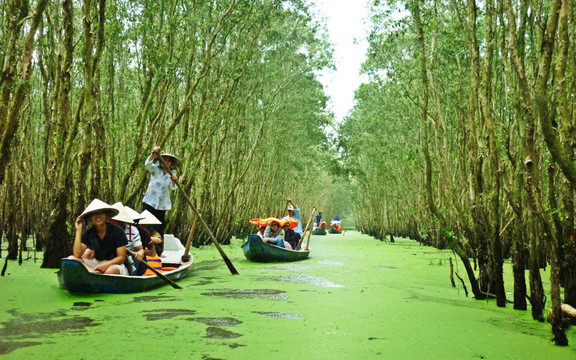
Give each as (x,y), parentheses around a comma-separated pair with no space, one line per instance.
(355,298)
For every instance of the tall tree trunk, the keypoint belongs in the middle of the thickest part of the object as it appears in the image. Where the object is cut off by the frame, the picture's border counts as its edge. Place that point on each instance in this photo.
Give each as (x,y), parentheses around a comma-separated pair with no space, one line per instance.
(486,95)
(14,93)
(530,166)
(564,104)
(554,242)
(58,163)
(424,142)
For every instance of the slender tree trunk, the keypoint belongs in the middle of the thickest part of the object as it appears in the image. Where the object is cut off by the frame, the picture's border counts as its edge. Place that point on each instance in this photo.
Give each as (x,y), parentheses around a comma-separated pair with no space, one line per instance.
(564,105)
(530,166)
(58,163)
(556,316)
(14,96)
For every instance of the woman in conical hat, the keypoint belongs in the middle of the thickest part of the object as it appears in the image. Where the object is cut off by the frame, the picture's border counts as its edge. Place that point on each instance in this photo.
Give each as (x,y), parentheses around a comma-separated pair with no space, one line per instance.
(146,223)
(107,241)
(134,215)
(139,242)
(157,197)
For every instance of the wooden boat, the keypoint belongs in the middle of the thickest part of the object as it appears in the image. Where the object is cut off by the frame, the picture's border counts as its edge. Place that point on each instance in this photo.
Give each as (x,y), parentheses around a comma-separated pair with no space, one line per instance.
(75,277)
(256,250)
(319,231)
(334,231)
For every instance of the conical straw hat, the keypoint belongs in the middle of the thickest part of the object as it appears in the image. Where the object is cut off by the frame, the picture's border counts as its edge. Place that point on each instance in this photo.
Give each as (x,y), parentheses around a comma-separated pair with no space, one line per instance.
(135,215)
(98,205)
(149,219)
(122,215)
(175,160)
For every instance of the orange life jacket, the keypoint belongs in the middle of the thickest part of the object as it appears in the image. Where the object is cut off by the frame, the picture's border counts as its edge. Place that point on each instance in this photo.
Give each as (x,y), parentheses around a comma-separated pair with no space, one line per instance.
(155,262)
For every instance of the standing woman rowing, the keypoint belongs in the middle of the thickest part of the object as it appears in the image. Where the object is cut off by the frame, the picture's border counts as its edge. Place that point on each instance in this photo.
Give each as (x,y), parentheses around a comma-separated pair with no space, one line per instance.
(157,197)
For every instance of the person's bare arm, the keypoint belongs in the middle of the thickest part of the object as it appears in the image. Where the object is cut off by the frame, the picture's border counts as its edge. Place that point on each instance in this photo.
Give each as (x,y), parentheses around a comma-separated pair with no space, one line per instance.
(118,260)
(78,248)
(138,252)
(155,152)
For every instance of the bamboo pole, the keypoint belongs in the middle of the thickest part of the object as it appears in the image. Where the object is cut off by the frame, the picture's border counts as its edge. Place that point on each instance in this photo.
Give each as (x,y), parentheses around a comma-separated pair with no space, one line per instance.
(306,229)
(186,255)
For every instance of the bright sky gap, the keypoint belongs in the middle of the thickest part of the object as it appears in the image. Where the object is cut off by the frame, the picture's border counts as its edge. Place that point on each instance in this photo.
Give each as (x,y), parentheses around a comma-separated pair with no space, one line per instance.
(347,23)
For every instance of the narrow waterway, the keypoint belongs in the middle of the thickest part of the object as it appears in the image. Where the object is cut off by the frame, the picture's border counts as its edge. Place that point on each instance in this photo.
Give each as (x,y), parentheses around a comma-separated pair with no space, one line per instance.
(355,298)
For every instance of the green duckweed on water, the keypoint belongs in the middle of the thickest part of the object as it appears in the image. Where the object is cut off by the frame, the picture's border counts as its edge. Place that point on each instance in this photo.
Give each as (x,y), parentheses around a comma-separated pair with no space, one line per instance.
(355,298)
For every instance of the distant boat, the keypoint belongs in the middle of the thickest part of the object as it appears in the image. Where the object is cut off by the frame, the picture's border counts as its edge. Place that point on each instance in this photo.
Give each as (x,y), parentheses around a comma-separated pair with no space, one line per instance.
(256,250)
(332,230)
(319,231)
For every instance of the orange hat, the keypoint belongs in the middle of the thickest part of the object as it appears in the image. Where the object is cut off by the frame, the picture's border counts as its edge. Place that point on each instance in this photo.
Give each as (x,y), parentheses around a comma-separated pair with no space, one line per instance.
(259,222)
(292,222)
(270,220)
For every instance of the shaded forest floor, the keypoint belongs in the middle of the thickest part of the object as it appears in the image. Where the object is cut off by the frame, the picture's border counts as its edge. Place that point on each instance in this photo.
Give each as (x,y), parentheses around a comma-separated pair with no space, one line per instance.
(355,297)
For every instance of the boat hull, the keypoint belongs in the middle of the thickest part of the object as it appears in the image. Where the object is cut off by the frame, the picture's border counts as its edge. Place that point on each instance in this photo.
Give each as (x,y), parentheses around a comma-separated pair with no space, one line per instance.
(256,250)
(334,231)
(319,231)
(75,277)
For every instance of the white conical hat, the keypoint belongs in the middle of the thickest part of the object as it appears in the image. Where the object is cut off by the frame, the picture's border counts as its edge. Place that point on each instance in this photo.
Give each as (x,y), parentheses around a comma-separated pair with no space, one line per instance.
(135,215)
(149,219)
(98,205)
(122,215)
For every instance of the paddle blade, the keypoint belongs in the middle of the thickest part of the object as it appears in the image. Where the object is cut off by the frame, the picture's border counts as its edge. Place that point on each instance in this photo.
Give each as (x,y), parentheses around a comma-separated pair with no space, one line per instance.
(230,266)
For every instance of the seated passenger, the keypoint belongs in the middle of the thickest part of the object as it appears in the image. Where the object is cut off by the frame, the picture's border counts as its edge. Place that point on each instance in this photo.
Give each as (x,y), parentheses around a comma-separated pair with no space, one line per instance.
(147,223)
(135,245)
(152,258)
(260,225)
(290,236)
(106,241)
(260,230)
(273,234)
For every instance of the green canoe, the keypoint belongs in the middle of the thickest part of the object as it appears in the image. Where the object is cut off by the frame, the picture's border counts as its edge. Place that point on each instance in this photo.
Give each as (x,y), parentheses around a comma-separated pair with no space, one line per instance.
(319,231)
(74,277)
(256,250)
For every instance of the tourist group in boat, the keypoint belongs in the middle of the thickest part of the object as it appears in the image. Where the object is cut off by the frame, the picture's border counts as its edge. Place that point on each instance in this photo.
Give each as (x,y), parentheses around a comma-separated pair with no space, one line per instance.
(120,239)
(284,232)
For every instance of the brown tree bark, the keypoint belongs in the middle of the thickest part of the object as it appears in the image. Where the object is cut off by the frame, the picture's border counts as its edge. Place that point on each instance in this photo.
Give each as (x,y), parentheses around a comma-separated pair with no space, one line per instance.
(530,164)
(428,162)
(58,161)
(14,91)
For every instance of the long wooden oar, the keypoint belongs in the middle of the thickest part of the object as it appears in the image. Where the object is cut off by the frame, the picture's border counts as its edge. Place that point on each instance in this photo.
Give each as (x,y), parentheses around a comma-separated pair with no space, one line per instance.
(186,256)
(160,275)
(214,241)
(306,229)
(308,241)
